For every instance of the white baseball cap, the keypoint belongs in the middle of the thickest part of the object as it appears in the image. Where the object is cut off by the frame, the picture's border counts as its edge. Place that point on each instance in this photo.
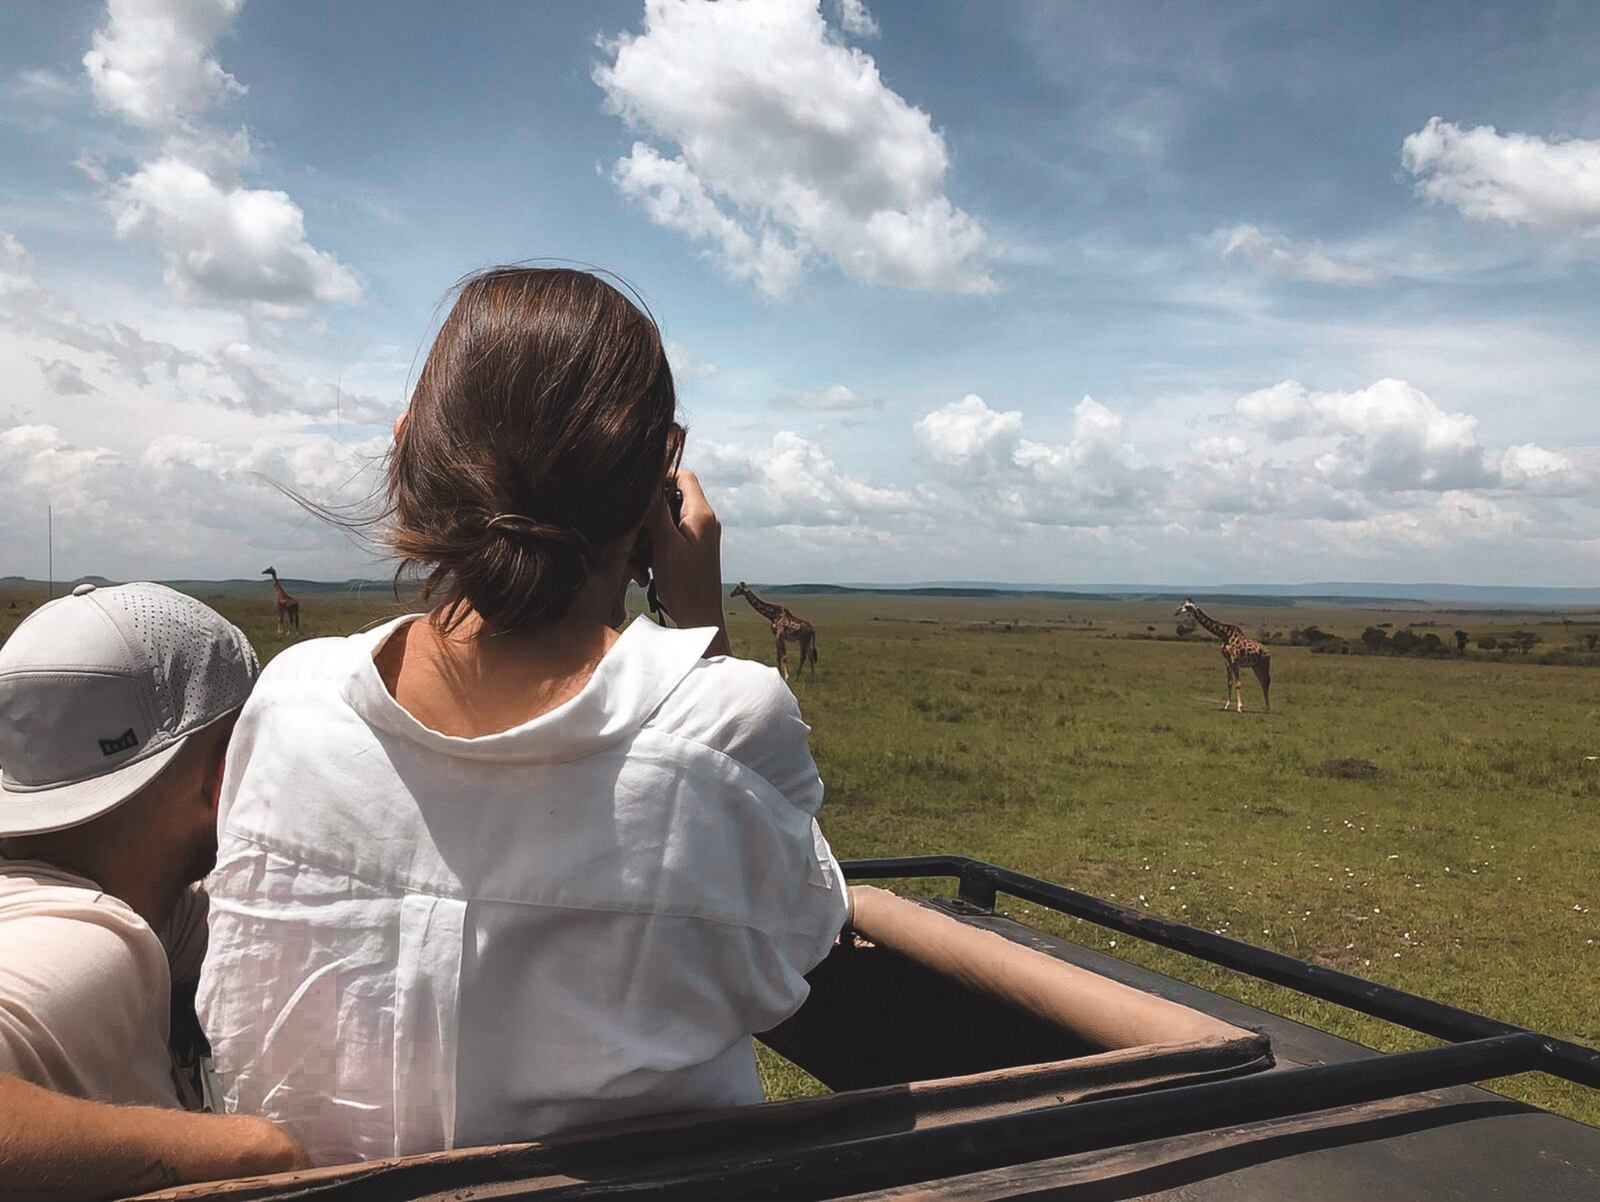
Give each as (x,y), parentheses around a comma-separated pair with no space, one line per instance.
(98,692)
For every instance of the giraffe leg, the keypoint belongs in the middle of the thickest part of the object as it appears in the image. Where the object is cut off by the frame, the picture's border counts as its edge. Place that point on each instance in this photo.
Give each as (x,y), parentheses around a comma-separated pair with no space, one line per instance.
(783,658)
(808,654)
(1264,675)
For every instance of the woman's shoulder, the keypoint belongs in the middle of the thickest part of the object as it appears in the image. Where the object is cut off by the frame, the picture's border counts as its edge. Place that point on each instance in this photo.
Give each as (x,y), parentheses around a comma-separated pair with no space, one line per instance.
(740,689)
(745,711)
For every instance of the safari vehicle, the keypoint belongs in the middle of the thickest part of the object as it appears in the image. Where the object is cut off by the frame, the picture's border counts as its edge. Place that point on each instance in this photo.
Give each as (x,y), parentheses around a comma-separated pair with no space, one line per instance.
(973,1057)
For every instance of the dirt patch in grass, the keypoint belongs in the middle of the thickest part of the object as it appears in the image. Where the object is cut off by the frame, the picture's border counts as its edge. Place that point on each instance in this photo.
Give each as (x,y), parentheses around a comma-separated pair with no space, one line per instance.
(1348,768)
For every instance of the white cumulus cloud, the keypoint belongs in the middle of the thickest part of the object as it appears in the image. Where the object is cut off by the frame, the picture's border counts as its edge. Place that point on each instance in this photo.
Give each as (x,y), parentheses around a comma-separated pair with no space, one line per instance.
(1390,435)
(855,19)
(77,357)
(792,481)
(784,146)
(1521,179)
(1094,478)
(151,62)
(221,242)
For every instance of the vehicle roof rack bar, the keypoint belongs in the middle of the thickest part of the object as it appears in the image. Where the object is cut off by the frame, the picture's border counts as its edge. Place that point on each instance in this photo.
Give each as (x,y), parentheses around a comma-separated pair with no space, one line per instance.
(906,1157)
(1565,1059)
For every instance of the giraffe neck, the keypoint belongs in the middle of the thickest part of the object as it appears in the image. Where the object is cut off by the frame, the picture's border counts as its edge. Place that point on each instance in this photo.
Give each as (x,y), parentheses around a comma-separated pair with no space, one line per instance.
(1221,629)
(766,609)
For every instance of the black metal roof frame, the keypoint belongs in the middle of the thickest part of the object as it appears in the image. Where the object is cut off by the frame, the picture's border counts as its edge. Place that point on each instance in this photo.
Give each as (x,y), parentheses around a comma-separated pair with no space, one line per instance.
(980,882)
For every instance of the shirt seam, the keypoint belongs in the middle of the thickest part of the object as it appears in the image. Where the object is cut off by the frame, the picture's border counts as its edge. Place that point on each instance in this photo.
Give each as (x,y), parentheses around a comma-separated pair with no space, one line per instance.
(342,870)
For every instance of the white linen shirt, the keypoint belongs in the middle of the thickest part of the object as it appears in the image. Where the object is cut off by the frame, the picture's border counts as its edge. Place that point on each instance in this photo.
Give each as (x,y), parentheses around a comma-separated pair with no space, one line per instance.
(420,941)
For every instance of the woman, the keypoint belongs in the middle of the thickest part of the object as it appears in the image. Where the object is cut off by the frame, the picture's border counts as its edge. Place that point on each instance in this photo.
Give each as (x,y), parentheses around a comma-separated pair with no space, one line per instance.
(500,870)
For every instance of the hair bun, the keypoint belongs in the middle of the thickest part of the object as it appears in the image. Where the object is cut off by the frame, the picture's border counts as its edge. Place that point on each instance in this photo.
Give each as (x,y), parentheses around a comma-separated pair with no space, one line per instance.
(525,529)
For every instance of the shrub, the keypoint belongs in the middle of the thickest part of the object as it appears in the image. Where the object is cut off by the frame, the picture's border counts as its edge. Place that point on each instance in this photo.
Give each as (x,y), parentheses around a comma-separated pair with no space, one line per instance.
(1404,642)
(1309,636)
(1487,643)
(1375,638)
(1524,640)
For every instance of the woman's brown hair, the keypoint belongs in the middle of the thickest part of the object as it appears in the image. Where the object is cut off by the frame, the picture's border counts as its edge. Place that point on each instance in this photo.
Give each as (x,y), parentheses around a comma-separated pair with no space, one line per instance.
(540,432)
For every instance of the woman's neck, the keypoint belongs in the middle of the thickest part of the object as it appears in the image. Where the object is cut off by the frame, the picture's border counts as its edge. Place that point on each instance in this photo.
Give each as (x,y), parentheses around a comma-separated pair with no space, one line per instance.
(466,683)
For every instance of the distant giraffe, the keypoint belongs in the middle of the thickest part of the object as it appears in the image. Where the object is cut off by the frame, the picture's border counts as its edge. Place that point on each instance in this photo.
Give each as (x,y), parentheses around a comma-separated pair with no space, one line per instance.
(1237,652)
(785,626)
(288,607)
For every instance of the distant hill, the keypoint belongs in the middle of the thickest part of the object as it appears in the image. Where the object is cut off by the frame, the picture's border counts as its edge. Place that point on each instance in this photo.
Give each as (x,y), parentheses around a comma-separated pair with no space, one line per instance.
(1329,592)
(1320,593)
(300,588)
(245,587)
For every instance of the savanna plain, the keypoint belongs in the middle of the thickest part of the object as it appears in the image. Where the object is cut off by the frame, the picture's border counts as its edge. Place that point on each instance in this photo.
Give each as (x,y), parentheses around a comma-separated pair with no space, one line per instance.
(1083,741)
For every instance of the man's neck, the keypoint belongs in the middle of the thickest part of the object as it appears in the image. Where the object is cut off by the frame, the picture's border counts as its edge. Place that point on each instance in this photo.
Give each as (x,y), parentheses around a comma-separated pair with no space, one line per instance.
(149,890)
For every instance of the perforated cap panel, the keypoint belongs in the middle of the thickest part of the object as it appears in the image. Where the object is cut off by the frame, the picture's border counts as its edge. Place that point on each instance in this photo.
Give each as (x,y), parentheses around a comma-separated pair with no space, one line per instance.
(202,665)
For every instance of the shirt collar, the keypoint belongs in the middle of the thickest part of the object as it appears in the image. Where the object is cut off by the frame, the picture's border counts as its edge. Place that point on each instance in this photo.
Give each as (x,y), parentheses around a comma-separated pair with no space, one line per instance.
(629,684)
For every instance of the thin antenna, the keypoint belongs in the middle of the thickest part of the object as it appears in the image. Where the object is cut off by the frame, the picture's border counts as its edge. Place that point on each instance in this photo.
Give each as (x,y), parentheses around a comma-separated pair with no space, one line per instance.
(50,548)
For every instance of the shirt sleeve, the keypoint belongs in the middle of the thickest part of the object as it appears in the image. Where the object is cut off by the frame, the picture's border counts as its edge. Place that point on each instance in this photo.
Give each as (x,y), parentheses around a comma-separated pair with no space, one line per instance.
(761,727)
(78,1006)
(747,712)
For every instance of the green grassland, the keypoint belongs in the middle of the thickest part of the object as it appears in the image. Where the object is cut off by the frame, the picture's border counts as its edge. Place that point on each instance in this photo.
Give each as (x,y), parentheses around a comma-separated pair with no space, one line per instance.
(1059,738)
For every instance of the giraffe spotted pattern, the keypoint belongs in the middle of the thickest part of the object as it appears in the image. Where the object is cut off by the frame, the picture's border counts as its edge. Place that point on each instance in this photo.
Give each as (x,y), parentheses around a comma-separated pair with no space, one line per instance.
(785,626)
(1238,652)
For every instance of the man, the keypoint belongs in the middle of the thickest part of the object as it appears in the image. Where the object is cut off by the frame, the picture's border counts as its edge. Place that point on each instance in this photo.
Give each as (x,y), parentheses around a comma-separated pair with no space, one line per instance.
(115,710)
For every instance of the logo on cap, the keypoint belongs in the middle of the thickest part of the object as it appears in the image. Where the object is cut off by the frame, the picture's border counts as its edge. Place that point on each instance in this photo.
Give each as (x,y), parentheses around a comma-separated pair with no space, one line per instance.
(122,742)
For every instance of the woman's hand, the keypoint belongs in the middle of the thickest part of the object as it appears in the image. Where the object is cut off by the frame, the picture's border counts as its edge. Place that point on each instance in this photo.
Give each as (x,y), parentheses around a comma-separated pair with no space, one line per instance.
(687,561)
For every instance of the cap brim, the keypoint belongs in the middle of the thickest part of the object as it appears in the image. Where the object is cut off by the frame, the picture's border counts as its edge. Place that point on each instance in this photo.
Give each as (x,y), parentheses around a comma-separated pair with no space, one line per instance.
(40,811)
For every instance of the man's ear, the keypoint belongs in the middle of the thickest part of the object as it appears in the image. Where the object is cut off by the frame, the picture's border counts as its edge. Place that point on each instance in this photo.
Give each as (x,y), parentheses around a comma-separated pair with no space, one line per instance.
(216,764)
(213,781)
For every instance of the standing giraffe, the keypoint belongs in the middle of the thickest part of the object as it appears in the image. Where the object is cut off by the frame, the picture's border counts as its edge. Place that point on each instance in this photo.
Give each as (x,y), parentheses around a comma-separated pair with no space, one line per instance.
(288,607)
(1237,652)
(785,626)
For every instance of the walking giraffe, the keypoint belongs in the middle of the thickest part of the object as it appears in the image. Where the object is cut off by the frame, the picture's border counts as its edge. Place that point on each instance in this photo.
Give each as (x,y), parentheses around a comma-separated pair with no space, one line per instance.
(785,626)
(1237,652)
(288,607)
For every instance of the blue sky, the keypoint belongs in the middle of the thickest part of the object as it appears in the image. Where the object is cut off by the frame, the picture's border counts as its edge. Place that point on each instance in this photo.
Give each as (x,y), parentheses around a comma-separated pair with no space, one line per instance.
(1033,292)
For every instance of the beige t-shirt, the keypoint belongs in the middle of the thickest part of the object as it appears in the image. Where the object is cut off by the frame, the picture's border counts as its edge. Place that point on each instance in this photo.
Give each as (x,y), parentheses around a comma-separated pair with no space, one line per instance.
(86,986)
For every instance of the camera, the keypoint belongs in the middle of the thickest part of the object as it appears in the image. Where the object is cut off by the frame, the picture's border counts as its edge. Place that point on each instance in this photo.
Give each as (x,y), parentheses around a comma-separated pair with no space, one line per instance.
(640,559)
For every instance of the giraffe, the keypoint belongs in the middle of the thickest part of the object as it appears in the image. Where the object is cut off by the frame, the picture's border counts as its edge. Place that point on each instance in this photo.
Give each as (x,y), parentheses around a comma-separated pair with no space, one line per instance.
(785,626)
(1237,652)
(288,607)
